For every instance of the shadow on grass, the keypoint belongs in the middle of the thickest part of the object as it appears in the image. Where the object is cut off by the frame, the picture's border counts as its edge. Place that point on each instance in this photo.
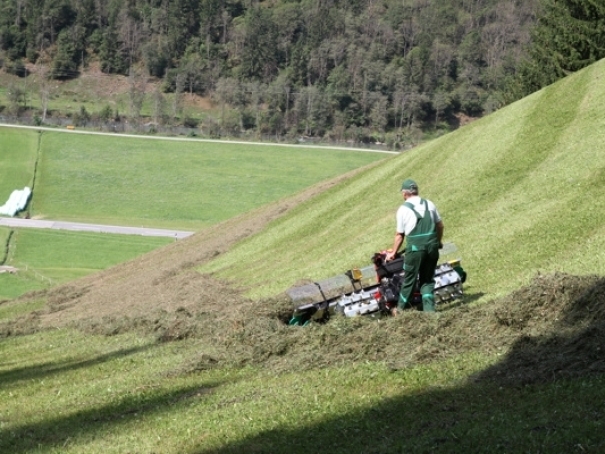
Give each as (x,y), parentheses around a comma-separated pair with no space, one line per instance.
(562,416)
(52,434)
(40,371)
(547,395)
(475,418)
(468,298)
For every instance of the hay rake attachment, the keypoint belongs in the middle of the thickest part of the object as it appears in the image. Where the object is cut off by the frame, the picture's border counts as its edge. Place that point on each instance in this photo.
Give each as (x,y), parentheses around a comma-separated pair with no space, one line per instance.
(372,290)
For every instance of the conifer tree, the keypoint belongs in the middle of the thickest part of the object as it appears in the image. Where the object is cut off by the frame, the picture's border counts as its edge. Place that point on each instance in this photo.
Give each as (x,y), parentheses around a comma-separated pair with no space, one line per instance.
(569,35)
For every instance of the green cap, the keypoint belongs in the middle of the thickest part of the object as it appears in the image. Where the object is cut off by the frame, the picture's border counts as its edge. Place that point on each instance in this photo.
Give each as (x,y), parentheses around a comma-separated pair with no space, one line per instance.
(409,185)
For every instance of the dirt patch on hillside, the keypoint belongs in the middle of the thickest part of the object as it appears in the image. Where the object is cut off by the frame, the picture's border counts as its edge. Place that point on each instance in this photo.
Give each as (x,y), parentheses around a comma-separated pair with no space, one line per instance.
(165,279)
(109,87)
(552,328)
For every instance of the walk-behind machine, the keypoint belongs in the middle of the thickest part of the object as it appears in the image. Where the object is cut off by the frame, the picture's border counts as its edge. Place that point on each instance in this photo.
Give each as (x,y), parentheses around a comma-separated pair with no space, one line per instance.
(372,290)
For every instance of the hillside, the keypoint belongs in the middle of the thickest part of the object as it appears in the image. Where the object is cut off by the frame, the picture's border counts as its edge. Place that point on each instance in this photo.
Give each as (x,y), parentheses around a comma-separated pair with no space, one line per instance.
(518,199)
(362,70)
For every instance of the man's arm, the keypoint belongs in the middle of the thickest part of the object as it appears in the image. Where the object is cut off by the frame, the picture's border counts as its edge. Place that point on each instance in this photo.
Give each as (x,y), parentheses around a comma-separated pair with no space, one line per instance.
(439,229)
(396,245)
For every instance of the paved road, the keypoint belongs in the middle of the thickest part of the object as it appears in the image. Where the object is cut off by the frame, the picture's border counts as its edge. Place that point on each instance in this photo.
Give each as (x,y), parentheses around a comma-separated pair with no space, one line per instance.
(187,139)
(98,228)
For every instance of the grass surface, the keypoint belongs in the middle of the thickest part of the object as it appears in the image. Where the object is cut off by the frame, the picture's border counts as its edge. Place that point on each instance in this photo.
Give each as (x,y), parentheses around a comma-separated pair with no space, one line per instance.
(18,154)
(50,257)
(93,90)
(177,184)
(142,182)
(520,191)
(4,236)
(69,393)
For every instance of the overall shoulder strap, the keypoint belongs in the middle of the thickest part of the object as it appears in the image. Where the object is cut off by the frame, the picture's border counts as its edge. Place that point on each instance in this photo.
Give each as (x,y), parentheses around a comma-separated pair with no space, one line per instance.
(411,207)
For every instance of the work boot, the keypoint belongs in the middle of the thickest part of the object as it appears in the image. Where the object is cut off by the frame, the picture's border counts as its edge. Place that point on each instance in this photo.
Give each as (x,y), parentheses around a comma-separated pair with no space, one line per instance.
(394,311)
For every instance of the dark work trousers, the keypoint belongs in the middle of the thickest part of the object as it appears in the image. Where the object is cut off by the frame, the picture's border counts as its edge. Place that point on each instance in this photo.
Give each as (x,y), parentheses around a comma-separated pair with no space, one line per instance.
(420,263)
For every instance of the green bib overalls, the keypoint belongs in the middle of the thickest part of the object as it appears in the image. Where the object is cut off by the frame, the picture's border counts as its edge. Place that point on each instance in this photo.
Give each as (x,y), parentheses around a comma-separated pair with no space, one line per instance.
(421,257)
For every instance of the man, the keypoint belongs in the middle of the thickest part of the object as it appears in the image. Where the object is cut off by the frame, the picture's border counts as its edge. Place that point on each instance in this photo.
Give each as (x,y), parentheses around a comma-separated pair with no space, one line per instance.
(419,222)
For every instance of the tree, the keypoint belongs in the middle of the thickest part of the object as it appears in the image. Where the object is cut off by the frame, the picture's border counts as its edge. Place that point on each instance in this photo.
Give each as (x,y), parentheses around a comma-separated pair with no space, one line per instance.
(82,117)
(400,108)
(105,114)
(129,26)
(177,99)
(44,90)
(228,92)
(64,64)
(569,35)
(136,93)
(192,67)
(288,18)
(259,53)
(256,95)
(113,60)
(441,102)
(277,99)
(312,111)
(210,23)
(159,106)
(156,56)
(17,98)
(378,112)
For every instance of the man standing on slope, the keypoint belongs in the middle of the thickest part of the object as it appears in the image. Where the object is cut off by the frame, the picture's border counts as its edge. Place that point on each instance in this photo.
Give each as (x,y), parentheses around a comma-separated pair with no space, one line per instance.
(419,222)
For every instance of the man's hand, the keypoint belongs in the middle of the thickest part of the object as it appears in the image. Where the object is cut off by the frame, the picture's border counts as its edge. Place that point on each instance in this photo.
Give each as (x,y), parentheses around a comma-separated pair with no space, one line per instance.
(397,242)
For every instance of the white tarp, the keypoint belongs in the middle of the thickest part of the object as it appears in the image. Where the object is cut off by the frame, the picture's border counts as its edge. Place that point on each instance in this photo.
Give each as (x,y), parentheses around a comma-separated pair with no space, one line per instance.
(16,202)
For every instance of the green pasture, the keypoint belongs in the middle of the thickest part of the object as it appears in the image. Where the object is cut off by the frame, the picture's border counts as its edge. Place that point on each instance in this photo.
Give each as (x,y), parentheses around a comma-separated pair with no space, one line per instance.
(177,184)
(65,392)
(18,154)
(520,191)
(4,236)
(46,258)
(144,182)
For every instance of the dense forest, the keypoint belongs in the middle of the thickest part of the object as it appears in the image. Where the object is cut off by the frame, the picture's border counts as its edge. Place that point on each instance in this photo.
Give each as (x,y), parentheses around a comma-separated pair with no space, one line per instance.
(389,70)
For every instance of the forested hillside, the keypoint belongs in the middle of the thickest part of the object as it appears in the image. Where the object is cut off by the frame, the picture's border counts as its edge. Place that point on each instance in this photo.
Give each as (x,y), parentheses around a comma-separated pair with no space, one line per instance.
(358,70)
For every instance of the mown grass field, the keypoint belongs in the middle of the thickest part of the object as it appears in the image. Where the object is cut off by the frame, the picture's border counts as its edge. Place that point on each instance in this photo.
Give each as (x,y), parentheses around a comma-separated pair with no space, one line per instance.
(521,192)
(46,258)
(142,182)
(18,153)
(70,393)
(173,184)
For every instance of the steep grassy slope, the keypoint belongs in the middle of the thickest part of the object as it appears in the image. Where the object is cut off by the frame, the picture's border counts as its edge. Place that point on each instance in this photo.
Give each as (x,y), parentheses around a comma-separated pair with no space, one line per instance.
(520,191)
